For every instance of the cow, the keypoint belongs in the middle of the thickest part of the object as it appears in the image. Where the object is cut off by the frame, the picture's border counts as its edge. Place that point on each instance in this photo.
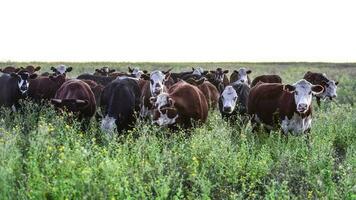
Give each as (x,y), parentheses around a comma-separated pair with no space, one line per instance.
(9,70)
(233,101)
(76,96)
(45,87)
(266,79)
(136,72)
(151,88)
(182,104)
(220,75)
(209,90)
(330,86)
(102,80)
(240,76)
(196,73)
(31,69)
(104,71)
(14,87)
(96,88)
(290,105)
(120,100)
(60,69)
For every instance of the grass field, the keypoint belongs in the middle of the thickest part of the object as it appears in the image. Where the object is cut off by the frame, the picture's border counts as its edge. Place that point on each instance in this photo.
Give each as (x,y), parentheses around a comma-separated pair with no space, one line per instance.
(45,156)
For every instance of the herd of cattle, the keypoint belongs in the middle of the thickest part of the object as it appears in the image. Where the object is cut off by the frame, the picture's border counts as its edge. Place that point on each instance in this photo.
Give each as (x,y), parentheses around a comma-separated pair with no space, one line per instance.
(170,99)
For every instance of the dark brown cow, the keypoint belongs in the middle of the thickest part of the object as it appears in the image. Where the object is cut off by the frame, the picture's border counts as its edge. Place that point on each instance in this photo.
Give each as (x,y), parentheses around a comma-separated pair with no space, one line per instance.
(212,94)
(267,79)
(77,97)
(291,103)
(44,87)
(96,88)
(220,74)
(330,86)
(240,76)
(102,80)
(104,71)
(182,104)
(31,69)
(9,70)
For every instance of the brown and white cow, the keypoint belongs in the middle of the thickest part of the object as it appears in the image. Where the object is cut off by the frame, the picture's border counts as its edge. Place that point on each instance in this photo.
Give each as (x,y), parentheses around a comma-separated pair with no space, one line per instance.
(152,88)
(330,86)
(240,76)
(267,79)
(182,104)
(210,92)
(291,103)
(77,97)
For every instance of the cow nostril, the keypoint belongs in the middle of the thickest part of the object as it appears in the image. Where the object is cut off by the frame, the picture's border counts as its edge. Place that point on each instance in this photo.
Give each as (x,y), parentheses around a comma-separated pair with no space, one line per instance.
(227,109)
(242,80)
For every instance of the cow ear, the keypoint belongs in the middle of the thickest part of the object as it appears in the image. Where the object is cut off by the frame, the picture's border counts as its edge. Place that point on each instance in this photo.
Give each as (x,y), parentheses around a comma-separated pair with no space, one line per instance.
(38,68)
(337,82)
(145,71)
(212,71)
(111,70)
(53,69)
(69,69)
(145,77)
(153,100)
(226,71)
(193,68)
(81,103)
(56,102)
(205,72)
(130,70)
(248,71)
(33,76)
(289,88)
(236,71)
(317,89)
(97,70)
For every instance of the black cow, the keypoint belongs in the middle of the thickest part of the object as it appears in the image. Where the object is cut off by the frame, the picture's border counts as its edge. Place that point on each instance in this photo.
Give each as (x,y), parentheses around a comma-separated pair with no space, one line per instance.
(13,87)
(102,80)
(119,102)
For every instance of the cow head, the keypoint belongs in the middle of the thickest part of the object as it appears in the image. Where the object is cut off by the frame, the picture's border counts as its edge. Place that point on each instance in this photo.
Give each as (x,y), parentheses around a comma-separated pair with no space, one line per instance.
(240,76)
(228,99)
(164,112)
(104,71)
(22,79)
(136,72)
(60,79)
(195,82)
(73,105)
(330,88)
(199,71)
(219,74)
(61,69)
(157,80)
(31,69)
(303,91)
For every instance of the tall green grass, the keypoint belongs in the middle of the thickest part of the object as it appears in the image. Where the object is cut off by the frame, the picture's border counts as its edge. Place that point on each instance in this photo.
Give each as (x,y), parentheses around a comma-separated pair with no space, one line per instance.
(44,155)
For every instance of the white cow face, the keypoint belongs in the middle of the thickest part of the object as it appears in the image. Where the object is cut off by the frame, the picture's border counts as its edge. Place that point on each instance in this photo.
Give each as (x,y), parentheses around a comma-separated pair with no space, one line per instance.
(330,89)
(242,74)
(22,80)
(164,111)
(229,99)
(157,79)
(61,69)
(198,71)
(303,91)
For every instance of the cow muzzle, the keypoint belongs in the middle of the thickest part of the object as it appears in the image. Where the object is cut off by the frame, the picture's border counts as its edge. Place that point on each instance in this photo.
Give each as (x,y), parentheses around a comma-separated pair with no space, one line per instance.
(227,109)
(302,107)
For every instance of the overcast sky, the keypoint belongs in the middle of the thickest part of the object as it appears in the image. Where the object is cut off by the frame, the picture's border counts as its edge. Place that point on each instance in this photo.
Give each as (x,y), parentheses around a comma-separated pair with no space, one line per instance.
(181,30)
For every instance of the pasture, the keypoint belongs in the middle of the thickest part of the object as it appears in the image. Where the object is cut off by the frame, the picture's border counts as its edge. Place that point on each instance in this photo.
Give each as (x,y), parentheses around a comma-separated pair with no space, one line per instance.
(44,155)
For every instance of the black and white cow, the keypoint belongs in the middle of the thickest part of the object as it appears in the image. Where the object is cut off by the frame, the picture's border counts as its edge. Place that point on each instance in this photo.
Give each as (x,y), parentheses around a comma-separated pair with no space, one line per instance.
(61,69)
(233,101)
(120,100)
(136,72)
(13,87)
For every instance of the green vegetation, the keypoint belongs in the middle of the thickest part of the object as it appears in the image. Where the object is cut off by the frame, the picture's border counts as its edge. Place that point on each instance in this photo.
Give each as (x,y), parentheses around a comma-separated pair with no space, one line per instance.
(44,155)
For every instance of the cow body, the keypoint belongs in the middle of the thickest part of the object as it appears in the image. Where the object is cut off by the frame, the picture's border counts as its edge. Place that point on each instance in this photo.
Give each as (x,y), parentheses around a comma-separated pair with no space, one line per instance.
(233,101)
(77,97)
(102,80)
(209,90)
(266,79)
(330,86)
(289,104)
(182,104)
(120,101)
(44,87)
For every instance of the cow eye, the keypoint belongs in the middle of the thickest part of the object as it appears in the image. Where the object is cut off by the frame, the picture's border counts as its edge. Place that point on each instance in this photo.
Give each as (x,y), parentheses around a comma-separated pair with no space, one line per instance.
(151,81)
(296,92)
(310,93)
